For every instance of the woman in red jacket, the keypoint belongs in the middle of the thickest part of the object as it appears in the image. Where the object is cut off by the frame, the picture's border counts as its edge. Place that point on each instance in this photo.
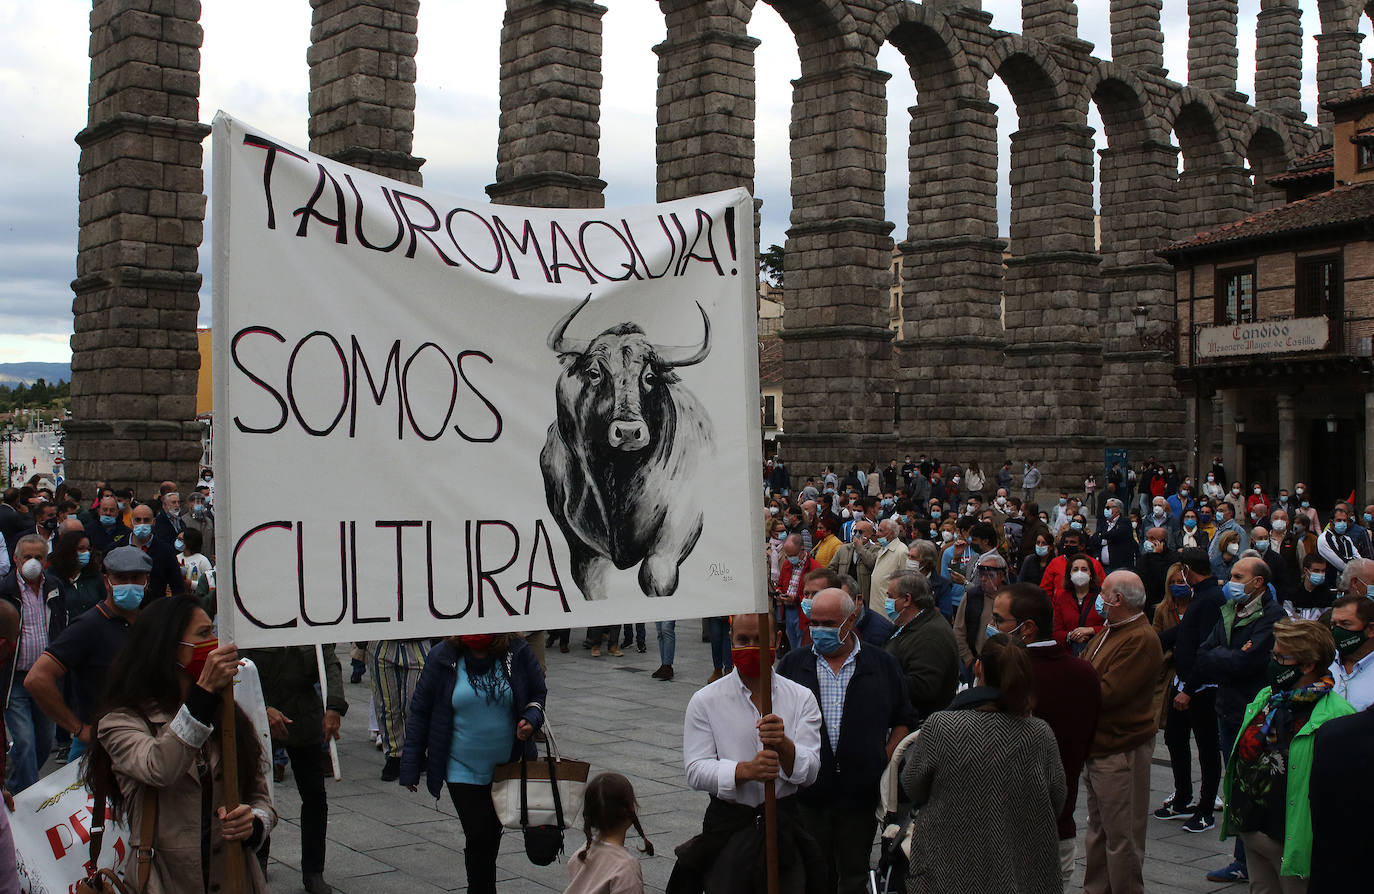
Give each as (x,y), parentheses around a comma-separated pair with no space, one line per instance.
(1075,616)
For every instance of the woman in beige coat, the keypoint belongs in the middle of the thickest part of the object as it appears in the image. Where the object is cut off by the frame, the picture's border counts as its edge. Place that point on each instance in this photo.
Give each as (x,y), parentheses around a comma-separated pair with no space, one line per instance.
(159,734)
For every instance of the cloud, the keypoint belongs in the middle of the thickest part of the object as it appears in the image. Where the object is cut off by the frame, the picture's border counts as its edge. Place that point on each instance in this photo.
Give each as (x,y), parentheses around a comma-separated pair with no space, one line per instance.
(253,65)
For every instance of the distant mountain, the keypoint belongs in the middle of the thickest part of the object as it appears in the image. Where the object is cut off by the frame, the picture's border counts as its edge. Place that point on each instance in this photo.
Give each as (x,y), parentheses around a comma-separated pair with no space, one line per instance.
(28,373)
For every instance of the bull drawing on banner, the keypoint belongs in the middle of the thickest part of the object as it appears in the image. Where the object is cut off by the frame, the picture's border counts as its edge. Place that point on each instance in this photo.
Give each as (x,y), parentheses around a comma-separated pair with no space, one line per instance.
(621,460)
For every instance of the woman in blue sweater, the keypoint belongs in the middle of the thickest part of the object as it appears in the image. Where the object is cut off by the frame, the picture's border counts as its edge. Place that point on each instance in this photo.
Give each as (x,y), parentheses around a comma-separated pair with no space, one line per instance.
(479,702)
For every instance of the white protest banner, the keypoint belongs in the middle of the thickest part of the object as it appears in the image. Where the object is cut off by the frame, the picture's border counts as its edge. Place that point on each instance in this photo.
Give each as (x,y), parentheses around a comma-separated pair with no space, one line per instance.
(52,818)
(437,416)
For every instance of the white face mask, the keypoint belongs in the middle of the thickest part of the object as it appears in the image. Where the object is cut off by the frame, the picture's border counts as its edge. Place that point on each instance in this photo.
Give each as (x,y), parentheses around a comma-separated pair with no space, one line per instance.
(31,569)
(946,536)
(845,514)
(1080,578)
(1232,548)
(1280,525)
(772,510)
(913,565)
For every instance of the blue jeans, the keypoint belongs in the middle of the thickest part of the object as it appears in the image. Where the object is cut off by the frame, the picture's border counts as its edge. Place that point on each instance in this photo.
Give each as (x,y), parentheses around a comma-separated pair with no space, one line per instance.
(792,619)
(31,731)
(720,643)
(667,641)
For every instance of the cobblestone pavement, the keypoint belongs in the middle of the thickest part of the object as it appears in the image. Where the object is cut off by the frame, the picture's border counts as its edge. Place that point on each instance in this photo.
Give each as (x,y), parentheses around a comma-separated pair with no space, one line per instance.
(609,711)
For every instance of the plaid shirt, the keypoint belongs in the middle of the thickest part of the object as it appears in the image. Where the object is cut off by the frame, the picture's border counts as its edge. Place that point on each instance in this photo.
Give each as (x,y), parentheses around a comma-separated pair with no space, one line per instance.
(33,625)
(833,686)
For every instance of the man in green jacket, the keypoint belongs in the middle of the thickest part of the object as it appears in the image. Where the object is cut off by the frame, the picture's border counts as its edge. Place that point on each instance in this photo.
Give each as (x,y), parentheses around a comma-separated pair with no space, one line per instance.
(303,722)
(923,644)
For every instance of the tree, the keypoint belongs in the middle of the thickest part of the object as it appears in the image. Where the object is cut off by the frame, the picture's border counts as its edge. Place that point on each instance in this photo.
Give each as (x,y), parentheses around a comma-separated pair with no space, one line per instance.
(771,264)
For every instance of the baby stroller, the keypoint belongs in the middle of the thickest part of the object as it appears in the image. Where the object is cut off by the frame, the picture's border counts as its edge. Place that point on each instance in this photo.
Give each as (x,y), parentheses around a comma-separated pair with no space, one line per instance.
(894,847)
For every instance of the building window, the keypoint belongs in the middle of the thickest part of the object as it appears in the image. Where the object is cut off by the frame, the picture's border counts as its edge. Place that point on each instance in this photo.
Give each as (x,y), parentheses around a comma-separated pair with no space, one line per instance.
(1235,302)
(1319,287)
(1366,155)
(770,411)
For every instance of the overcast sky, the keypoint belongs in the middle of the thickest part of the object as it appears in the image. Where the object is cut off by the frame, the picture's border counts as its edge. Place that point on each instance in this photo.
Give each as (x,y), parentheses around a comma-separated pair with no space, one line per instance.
(253,66)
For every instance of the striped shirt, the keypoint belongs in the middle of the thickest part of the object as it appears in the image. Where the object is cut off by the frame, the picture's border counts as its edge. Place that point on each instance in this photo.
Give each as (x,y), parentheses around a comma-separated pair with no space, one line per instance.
(33,629)
(833,686)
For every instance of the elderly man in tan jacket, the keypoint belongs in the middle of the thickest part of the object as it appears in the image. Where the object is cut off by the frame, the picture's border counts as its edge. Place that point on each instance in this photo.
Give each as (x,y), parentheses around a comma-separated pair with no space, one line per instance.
(1128,660)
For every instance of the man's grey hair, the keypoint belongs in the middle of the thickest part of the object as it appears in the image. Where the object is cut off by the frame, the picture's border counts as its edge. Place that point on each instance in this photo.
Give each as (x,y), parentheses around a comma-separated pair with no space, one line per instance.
(850,585)
(1361,568)
(914,585)
(995,561)
(1130,586)
(847,605)
(1113,501)
(925,549)
(794,538)
(31,538)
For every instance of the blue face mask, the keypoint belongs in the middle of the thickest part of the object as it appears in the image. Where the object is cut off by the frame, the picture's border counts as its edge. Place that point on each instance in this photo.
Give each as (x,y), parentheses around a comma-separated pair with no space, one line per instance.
(1305,504)
(890,609)
(1075,526)
(1042,550)
(83,558)
(1100,607)
(1317,578)
(143,532)
(806,607)
(1262,546)
(935,513)
(1148,546)
(179,544)
(127,596)
(826,640)
(1235,591)
(1063,502)
(1368,518)
(107,520)
(1340,527)
(1180,591)
(882,541)
(795,560)
(1190,523)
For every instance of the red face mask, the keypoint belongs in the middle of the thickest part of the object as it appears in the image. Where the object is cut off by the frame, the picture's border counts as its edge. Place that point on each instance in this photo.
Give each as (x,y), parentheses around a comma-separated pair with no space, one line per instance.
(478,640)
(200,652)
(747,660)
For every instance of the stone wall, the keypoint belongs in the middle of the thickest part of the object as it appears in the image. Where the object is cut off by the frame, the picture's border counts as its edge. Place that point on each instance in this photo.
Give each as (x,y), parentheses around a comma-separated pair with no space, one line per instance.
(1029,344)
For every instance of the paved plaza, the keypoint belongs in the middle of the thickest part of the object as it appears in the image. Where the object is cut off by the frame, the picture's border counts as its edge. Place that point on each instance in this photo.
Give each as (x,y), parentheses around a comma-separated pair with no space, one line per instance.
(609,711)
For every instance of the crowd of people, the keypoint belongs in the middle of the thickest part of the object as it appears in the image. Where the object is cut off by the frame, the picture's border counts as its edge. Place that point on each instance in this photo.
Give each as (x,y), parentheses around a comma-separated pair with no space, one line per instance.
(1237,621)
(933,624)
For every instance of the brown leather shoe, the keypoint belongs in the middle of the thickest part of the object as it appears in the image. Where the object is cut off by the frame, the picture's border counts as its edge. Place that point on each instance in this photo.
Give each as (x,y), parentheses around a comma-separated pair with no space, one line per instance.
(658,674)
(666,672)
(715,675)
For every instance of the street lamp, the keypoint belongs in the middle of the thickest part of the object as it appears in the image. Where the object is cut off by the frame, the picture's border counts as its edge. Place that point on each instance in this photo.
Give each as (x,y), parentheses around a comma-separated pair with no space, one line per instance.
(1164,340)
(1330,423)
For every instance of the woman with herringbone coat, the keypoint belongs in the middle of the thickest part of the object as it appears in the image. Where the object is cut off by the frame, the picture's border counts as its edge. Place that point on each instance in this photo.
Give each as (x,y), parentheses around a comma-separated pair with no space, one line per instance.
(987,784)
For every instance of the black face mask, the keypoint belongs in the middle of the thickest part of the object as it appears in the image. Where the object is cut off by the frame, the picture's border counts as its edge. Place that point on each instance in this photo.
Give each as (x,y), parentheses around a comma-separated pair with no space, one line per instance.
(1282,676)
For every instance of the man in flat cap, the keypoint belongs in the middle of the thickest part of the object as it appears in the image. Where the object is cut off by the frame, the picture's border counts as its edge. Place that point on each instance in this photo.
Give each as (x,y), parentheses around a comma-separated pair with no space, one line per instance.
(88,645)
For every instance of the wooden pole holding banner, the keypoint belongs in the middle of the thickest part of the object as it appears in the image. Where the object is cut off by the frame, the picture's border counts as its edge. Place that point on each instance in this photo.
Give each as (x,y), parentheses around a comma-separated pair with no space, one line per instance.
(324,697)
(770,796)
(229,762)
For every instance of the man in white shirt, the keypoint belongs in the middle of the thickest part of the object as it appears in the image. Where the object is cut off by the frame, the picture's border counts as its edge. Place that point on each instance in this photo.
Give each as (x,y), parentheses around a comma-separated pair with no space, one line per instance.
(1352,626)
(730,748)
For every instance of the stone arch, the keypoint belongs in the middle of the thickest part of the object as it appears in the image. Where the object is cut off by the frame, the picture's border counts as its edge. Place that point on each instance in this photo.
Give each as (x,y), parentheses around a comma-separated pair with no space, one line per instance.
(1127,110)
(1204,131)
(1031,74)
(928,44)
(1268,152)
(826,32)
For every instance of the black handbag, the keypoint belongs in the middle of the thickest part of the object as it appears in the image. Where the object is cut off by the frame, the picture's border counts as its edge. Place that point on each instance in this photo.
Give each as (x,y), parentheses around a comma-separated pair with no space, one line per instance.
(543,844)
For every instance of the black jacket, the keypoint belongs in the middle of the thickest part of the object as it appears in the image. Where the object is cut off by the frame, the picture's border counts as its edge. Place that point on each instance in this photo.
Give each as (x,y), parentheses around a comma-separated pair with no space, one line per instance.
(1340,755)
(1121,545)
(929,657)
(103,539)
(875,702)
(1235,656)
(52,597)
(166,528)
(1186,637)
(288,676)
(429,720)
(874,629)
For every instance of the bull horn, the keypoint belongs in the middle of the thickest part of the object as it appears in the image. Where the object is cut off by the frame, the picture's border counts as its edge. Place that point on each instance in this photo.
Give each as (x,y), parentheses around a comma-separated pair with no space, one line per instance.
(560,345)
(679,356)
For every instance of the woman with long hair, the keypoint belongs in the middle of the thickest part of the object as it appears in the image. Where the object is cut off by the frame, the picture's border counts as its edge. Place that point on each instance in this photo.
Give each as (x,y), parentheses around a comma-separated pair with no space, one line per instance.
(986,784)
(1076,616)
(158,746)
(1190,532)
(479,702)
(77,569)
